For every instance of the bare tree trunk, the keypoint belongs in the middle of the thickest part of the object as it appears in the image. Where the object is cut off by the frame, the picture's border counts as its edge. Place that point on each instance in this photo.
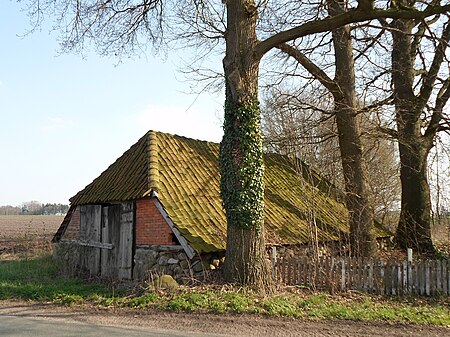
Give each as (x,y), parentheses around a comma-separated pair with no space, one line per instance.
(241,152)
(362,236)
(414,228)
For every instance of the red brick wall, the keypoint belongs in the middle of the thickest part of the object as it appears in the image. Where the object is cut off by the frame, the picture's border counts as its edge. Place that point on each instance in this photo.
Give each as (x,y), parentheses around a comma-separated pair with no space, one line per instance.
(151,228)
(73,229)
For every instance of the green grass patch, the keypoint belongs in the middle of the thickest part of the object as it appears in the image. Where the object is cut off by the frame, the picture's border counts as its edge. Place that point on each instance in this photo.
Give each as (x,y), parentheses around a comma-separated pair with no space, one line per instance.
(38,279)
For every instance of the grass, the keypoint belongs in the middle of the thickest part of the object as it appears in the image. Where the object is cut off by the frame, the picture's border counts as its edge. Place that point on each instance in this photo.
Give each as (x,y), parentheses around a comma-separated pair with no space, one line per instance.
(37,279)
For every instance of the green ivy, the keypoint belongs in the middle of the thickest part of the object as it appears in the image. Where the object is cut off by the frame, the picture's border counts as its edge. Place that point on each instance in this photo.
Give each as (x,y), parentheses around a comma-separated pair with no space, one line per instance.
(242,166)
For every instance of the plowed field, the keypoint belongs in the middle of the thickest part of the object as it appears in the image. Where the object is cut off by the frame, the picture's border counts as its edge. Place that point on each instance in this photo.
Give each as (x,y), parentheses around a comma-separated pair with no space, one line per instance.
(26,234)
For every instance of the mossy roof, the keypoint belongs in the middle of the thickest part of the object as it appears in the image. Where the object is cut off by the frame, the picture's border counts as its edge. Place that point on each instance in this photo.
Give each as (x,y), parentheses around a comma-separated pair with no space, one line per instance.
(185,174)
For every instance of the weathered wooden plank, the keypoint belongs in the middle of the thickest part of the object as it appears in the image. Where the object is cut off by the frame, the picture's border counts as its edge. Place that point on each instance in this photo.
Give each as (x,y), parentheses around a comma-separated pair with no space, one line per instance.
(445,290)
(104,254)
(125,247)
(95,244)
(427,279)
(409,277)
(331,278)
(421,276)
(289,271)
(432,265)
(414,282)
(388,279)
(448,276)
(283,269)
(404,271)
(110,235)
(438,267)
(305,271)
(343,280)
(90,231)
(125,258)
(360,274)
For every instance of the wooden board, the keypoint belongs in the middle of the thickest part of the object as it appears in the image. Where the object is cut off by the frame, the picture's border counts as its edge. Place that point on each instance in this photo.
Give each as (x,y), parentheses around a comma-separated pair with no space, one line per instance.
(110,235)
(90,231)
(125,251)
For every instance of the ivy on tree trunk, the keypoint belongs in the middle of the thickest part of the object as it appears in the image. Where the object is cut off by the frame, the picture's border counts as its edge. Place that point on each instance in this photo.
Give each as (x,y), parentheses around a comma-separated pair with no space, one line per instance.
(241,152)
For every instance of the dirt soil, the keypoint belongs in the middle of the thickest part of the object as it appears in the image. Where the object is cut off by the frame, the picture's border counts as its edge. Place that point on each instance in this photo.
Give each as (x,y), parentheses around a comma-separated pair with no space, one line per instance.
(22,235)
(227,325)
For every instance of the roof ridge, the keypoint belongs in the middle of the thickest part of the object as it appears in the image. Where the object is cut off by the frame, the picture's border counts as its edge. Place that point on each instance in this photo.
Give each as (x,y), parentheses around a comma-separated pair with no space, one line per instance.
(152,160)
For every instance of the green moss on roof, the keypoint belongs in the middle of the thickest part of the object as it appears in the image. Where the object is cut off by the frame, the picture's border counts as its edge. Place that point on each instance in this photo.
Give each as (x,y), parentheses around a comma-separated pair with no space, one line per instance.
(185,173)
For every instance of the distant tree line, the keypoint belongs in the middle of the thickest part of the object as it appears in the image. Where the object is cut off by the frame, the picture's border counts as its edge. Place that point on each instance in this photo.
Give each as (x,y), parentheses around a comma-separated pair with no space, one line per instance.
(34,208)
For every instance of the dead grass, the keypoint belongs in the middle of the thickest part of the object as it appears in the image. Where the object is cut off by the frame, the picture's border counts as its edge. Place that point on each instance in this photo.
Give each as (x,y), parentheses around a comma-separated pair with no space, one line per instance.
(23,236)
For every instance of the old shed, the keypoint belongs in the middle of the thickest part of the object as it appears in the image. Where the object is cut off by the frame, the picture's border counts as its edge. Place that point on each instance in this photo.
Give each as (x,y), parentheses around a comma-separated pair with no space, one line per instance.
(157,208)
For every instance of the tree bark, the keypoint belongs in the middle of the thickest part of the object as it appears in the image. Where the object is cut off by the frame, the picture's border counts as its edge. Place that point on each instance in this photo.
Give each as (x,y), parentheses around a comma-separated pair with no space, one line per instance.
(362,236)
(414,228)
(241,152)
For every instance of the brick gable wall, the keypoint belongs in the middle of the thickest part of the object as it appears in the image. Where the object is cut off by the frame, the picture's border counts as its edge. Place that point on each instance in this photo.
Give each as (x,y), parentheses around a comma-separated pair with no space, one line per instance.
(151,228)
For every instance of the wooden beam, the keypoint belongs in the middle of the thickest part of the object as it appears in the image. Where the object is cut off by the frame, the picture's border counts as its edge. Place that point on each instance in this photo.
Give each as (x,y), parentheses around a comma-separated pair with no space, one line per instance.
(190,252)
(95,244)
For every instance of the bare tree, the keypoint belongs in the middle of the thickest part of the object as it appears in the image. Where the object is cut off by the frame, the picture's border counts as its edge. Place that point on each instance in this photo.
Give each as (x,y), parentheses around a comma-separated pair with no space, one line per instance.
(122,26)
(421,90)
(342,88)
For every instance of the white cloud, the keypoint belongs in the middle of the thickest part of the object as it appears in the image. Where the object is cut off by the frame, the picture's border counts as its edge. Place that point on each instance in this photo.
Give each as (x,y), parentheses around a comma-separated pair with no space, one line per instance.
(191,123)
(55,123)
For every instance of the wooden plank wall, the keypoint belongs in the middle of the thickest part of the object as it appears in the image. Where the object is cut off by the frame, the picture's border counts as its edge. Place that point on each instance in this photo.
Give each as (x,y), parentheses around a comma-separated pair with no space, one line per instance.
(106,240)
(125,253)
(111,235)
(90,231)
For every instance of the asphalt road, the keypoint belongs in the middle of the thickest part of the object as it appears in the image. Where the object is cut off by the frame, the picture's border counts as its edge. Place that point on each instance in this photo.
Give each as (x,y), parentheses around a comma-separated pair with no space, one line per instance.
(42,327)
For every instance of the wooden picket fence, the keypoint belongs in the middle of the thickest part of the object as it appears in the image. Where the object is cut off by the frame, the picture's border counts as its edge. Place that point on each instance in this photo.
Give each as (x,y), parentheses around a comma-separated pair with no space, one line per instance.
(430,277)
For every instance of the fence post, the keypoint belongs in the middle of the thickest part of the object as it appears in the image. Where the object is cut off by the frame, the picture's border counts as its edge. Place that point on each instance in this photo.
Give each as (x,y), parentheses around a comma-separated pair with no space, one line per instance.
(427,278)
(409,271)
(439,287)
(273,260)
(282,264)
(422,281)
(331,275)
(343,274)
(405,276)
(445,277)
(383,286)
(448,276)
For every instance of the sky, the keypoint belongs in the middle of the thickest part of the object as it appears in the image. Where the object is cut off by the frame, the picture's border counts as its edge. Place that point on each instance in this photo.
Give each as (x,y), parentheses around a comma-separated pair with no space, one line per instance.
(65,118)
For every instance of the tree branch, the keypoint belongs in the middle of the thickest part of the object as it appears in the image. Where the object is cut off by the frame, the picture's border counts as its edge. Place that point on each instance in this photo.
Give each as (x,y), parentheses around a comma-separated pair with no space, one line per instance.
(442,99)
(430,77)
(351,16)
(388,131)
(311,67)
